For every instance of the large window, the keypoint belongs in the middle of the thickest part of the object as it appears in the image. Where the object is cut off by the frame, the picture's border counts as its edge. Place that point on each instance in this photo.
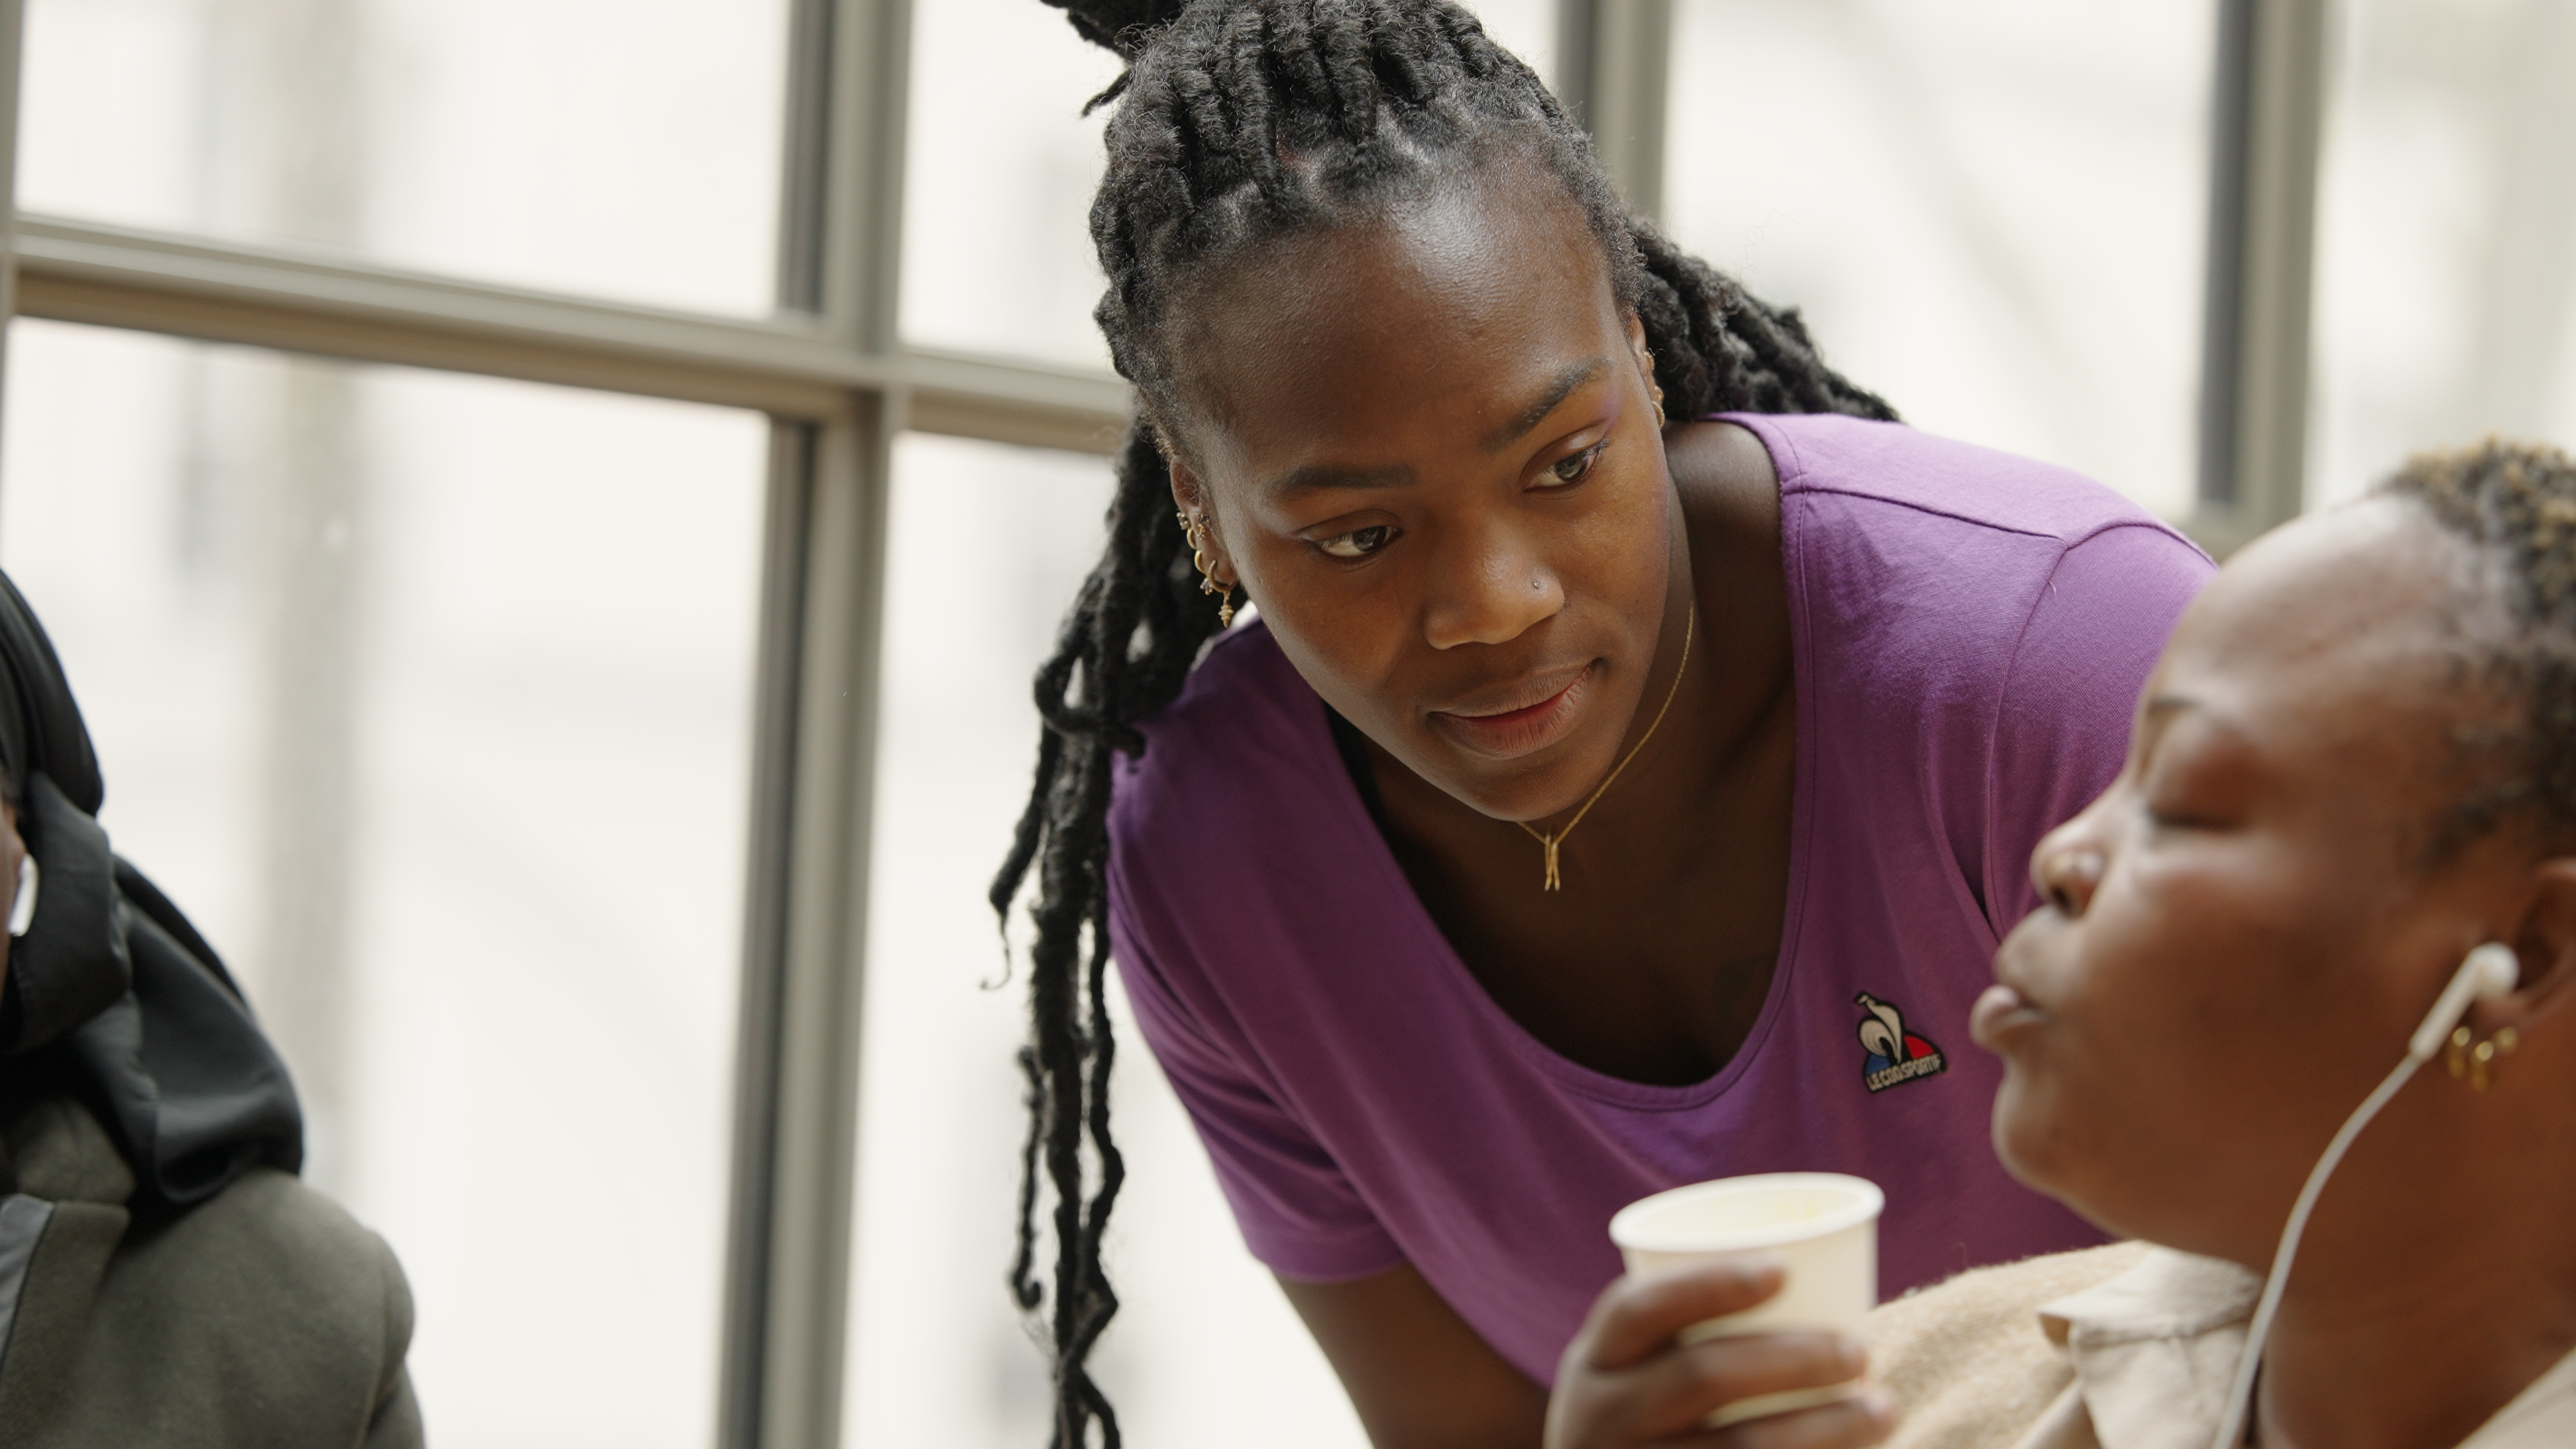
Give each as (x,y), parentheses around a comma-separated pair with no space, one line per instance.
(430,697)
(552,507)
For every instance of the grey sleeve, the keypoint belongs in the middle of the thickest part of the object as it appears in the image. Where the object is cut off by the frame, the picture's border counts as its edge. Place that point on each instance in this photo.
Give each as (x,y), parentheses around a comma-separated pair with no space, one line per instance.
(395,1424)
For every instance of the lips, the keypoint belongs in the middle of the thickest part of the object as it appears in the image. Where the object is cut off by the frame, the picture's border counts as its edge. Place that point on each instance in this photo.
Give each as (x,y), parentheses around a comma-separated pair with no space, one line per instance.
(2000,1015)
(1531,717)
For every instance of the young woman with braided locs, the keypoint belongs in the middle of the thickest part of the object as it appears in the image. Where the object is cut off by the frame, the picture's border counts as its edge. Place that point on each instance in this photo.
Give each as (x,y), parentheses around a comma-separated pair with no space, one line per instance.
(1522,490)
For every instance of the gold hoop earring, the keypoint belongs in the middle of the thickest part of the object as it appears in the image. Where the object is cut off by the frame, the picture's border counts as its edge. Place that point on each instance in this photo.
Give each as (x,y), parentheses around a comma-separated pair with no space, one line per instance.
(1659,412)
(1194,532)
(2476,1060)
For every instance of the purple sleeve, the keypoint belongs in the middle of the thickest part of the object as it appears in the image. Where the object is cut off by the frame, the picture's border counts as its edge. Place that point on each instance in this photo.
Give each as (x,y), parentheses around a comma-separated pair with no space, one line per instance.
(1298,1213)
(2062,720)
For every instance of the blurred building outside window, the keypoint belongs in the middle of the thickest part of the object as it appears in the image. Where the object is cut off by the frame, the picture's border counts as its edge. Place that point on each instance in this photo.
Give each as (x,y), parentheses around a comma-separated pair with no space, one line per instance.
(1990,212)
(586,146)
(2446,234)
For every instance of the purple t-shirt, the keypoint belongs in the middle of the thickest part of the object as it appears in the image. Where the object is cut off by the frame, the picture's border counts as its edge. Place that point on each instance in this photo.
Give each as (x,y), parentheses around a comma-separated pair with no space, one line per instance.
(1969,632)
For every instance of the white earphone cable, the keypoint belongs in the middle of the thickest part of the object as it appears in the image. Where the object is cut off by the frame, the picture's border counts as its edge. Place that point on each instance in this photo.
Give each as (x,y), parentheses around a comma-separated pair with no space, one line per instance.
(2489,970)
(2240,1397)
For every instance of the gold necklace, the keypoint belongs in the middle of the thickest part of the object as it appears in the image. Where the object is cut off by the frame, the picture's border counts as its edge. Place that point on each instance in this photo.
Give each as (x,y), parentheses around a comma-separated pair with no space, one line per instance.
(1553,839)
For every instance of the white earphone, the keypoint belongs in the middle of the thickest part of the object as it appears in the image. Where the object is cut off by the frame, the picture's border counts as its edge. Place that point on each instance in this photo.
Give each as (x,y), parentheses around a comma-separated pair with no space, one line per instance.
(2487,971)
(22,909)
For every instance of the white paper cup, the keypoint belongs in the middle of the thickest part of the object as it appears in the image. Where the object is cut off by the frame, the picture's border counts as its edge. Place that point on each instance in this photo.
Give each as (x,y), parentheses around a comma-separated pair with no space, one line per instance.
(1823,1226)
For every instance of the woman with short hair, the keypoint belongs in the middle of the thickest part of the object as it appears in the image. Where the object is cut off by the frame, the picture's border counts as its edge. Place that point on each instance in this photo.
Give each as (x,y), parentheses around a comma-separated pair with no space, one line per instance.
(2355,766)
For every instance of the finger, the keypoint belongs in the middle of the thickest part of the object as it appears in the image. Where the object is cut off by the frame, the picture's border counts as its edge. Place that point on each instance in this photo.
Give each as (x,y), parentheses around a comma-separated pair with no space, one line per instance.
(1638,1316)
(1863,1419)
(1685,1386)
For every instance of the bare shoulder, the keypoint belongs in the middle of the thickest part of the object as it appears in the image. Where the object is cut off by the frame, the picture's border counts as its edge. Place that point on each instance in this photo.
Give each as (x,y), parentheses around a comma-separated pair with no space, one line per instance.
(1730,496)
(1725,477)
(1967,1361)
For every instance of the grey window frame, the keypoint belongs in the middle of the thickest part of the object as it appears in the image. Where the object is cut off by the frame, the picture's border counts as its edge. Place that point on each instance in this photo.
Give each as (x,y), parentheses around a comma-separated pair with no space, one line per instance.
(838,383)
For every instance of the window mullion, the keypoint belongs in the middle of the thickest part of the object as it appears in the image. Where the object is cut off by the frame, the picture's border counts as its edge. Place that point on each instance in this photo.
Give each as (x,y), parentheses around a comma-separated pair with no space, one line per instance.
(797,1113)
(2267,109)
(1613,60)
(13,33)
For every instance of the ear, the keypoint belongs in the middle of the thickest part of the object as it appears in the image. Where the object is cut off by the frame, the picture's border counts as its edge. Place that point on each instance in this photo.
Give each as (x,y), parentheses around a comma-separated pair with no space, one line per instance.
(2545,940)
(1191,500)
(1645,358)
(1186,493)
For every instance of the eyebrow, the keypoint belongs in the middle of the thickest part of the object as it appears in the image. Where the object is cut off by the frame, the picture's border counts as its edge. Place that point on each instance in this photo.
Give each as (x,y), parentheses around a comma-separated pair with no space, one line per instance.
(2154,720)
(1536,413)
(1317,477)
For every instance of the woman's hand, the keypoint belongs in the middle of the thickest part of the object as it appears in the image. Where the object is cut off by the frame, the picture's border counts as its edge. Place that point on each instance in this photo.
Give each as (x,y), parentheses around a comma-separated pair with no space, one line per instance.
(1627,1380)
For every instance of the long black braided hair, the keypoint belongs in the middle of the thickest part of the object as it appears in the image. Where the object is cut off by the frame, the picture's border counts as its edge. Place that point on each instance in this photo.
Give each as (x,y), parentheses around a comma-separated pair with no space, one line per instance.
(1241,122)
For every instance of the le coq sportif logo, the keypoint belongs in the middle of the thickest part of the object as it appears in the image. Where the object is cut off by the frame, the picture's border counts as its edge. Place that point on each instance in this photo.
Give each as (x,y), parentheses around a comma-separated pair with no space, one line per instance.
(1896,1056)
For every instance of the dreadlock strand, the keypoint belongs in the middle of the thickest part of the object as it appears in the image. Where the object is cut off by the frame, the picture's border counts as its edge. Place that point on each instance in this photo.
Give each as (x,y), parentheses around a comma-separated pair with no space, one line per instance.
(1064,1057)
(1101,1304)
(1424,74)
(1294,59)
(1024,1285)
(1030,827)
(1246,67)
(1476,50)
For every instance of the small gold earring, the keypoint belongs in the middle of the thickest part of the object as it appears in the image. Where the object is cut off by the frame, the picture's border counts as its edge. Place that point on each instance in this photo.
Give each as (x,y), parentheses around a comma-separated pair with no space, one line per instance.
(2476,1060)
(1659,411)
(1194,532)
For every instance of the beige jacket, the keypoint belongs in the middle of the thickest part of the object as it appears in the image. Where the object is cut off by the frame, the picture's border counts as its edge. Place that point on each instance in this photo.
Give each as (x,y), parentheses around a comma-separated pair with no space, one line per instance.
(262,1318)
(2124,1347)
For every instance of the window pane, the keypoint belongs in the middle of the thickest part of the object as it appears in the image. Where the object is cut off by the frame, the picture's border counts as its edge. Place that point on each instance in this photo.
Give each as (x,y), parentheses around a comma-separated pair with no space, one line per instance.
(625,147)
(1526,28)
(1990,210)
(2446,235)
(997,191)
(1204,1349)
(428,697)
